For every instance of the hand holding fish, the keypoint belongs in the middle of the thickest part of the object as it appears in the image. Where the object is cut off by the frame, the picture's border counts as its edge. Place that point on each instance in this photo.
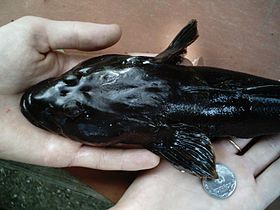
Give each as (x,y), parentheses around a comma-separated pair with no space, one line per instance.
(28,55)
(257,173)
(174,111)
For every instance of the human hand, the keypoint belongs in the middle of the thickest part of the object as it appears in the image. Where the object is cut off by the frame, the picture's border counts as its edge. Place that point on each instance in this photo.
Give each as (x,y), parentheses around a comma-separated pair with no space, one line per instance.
(29,55)
(257,173)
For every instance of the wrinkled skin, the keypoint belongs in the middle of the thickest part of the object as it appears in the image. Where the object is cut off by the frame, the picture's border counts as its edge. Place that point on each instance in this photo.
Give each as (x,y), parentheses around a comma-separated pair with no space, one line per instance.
(170,109)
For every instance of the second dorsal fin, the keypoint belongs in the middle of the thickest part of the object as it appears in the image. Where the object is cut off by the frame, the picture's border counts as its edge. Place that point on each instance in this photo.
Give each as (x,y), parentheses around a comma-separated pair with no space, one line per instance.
(173,54)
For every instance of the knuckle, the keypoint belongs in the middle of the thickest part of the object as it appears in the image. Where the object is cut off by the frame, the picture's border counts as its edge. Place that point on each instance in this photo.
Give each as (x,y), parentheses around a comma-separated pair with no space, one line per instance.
(100,163)
(122,165)
(31,24)
(75,35)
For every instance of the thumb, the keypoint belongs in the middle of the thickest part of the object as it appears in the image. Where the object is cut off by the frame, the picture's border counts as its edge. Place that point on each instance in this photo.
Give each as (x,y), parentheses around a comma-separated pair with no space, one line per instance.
(72,34)
(81,35)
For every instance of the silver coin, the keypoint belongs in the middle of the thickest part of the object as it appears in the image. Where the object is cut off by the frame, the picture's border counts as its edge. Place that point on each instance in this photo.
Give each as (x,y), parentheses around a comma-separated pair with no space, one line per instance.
(224,186)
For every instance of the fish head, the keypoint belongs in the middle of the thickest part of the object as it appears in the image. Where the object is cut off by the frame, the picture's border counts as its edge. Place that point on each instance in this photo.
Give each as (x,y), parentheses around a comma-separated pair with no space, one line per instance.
(69,106)
(55,103)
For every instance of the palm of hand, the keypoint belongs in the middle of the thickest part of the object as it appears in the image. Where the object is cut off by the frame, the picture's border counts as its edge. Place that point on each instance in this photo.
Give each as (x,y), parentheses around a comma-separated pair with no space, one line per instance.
(27,67)
(189,193)
(167,188)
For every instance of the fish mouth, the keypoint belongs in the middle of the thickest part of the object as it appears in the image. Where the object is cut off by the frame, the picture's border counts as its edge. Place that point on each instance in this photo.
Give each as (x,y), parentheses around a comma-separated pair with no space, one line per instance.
(26,107)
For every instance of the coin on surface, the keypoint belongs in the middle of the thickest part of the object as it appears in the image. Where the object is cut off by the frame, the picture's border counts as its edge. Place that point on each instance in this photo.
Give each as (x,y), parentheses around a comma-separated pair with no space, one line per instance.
(224,186)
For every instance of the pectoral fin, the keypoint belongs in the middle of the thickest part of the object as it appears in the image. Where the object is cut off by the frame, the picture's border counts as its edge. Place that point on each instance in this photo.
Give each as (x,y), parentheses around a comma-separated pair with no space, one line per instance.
(187,149)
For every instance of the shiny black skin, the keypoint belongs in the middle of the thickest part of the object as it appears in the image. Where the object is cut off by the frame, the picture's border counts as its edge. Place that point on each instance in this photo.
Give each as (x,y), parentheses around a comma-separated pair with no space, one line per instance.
(112,95)
(149,101)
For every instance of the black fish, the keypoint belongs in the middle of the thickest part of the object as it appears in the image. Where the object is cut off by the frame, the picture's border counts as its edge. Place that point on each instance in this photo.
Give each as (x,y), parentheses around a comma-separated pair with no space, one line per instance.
(170,109)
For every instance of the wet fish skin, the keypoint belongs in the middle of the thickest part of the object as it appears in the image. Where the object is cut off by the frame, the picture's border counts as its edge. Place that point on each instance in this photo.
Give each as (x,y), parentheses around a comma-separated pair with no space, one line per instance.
(170,109)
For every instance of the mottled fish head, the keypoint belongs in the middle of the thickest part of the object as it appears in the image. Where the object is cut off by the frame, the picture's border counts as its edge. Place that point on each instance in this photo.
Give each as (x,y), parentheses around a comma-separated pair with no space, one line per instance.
(64,106)
(49,104)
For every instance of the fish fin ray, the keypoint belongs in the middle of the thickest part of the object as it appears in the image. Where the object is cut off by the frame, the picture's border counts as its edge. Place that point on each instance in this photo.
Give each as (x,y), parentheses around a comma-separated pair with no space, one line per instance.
(174,53)
(187,149)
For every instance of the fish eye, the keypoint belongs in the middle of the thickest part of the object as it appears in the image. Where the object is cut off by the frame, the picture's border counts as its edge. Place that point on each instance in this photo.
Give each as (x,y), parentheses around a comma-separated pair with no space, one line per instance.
(72,109)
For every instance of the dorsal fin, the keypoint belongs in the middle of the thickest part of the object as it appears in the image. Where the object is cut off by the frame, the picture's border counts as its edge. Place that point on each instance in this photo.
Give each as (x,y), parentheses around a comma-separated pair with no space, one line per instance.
(173,54)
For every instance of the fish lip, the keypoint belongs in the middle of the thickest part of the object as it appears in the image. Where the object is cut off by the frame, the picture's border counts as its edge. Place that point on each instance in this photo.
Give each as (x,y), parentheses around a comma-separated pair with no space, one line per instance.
(25,104)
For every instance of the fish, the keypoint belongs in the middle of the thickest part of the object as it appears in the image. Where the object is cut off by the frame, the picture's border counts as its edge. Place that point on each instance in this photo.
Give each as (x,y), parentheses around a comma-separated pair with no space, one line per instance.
(173,110)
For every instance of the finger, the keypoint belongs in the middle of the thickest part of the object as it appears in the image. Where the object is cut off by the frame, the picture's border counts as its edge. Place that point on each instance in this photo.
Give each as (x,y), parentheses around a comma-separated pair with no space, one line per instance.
(81,35)
(71,34)
(264,152)
(114,159)
(56,151)
(268,183)
(225,146)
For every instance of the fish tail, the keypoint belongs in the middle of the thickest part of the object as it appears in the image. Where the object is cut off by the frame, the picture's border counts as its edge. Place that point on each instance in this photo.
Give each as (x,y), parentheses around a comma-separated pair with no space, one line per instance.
(175,51)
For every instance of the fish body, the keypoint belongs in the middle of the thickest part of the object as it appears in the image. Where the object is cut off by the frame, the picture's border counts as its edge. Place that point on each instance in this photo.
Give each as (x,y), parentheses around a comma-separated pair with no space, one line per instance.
(170,109)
